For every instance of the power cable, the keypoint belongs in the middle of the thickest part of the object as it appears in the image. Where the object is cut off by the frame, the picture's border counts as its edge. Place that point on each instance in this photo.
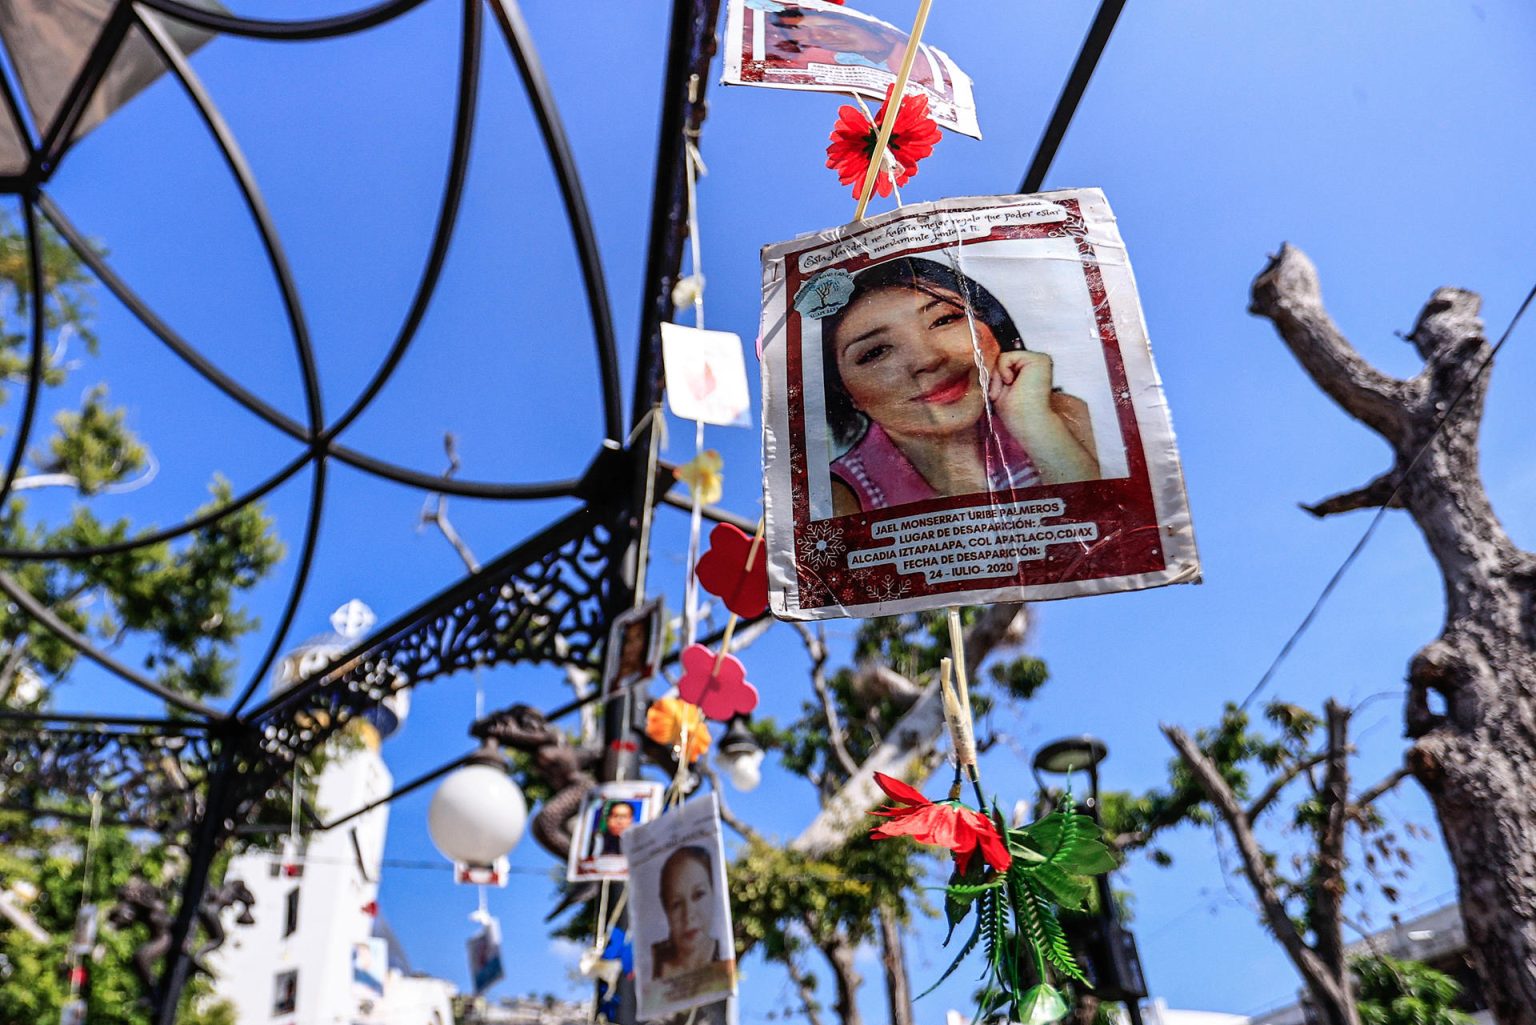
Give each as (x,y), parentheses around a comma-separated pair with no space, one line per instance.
(1381,511)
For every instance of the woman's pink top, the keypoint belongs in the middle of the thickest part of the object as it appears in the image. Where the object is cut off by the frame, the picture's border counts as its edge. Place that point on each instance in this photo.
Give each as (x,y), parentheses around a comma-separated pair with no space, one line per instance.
(880,476)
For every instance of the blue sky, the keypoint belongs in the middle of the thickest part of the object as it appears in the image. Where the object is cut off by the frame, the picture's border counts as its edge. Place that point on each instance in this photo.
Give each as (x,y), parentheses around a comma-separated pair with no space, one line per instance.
(1377,137)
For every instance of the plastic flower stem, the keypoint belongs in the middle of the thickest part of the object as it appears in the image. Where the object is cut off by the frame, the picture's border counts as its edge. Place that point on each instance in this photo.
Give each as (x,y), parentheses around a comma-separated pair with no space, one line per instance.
(730,624)
(888,123)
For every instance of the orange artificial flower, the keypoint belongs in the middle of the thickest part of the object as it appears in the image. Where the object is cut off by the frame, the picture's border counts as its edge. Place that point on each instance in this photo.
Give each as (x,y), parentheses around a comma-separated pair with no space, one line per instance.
(664,722)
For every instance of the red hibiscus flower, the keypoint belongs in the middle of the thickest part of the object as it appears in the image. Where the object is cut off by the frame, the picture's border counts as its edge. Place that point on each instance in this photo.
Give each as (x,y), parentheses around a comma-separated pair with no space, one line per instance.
(853,142)
(946,824)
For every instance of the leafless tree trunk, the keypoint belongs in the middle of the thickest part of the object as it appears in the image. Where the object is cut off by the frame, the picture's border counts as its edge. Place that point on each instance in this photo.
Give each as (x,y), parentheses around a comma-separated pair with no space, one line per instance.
(839,954)
(893,958)
(1471,706)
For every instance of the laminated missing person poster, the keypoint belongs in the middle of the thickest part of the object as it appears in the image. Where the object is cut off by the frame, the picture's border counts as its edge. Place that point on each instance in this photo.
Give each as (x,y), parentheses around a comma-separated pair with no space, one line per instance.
(680,913)
(960,407)
(825,47)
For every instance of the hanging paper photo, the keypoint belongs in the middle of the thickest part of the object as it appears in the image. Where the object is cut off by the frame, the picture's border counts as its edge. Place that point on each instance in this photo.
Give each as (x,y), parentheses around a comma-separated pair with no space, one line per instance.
(608,812)
(680,912)
(706,376)
(960,407)
(485,968)
(370,967)
(634,643)
(825,47)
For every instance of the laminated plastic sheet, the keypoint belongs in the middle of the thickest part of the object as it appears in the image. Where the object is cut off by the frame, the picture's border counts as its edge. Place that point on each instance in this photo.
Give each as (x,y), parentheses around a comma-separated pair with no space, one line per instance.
(960,407)
(824,47)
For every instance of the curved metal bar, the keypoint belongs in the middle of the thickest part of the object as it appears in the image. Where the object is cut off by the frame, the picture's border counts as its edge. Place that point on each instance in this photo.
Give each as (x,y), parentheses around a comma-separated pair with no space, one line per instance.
(167,534)
(246,180)
(453,485)
(188,353)
(35,363)
(295,593)
(32,607)
(210,372)
(266,28)
(510,16)
(447,219)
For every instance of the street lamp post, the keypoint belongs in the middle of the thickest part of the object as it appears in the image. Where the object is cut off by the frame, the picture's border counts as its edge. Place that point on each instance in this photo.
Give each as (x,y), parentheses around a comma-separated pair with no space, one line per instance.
(1114,965)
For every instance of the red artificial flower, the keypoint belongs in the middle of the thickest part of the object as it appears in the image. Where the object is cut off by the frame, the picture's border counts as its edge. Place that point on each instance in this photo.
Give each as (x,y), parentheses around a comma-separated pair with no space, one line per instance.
(945,824)
(724,573)
(853,142)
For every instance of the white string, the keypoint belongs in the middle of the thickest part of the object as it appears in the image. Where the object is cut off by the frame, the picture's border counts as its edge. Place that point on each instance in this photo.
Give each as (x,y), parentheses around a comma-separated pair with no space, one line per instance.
(694,164)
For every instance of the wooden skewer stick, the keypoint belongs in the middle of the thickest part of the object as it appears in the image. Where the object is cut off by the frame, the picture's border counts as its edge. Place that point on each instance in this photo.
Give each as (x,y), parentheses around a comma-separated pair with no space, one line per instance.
(888,123)
(965,735)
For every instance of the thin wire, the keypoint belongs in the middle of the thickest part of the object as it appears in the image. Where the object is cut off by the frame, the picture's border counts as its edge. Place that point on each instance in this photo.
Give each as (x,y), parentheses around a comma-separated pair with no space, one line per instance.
(1381,511)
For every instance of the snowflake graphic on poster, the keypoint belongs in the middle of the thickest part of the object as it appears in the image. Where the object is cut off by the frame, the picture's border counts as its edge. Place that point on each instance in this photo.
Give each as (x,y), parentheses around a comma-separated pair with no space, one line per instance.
(890,588)
(821,544)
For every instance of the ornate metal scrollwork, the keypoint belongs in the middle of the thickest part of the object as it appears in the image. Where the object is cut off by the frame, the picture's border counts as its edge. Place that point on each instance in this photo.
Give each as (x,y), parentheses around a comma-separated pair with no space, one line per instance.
(143,779)
(542,602)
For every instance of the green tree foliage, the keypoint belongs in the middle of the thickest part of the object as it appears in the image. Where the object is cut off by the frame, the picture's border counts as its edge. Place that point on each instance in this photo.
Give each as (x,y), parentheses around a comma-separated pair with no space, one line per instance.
(791,904)
(174,608)
(1393,992)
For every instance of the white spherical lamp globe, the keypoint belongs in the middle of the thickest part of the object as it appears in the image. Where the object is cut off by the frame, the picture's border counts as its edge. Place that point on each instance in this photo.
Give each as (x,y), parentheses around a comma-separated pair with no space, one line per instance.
(477,815)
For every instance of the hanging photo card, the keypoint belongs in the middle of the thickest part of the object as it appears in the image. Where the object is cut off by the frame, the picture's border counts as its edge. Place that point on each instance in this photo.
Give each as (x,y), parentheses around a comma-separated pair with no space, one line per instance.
(960,407)
(608,813)
(634,647)
(680,911)
(706,376)
(825,47)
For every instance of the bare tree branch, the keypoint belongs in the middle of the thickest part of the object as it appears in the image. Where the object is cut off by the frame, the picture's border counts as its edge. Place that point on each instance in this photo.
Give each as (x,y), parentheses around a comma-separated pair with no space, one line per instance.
(435,509)
(1281,780)
(907,747)
(1326,892)
(743,830)
(1289,294)
(1368,797)
(1374,495)
(816,649)
(1320,981)
(807,989)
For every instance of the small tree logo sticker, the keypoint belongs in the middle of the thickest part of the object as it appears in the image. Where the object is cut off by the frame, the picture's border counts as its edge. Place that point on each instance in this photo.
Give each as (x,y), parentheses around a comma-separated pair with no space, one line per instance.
(824,294)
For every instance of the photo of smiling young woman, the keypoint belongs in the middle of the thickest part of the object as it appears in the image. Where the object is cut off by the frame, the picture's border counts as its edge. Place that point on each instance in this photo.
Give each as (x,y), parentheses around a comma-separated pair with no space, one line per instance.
(931,392)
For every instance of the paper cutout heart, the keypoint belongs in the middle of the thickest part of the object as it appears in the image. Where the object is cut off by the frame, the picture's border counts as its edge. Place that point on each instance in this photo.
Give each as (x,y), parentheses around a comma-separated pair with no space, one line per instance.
(723,572)
(720,694)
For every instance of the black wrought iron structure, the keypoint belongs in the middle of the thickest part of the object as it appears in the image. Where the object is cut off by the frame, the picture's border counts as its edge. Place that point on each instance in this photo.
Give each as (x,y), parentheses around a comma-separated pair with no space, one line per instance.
(199,776)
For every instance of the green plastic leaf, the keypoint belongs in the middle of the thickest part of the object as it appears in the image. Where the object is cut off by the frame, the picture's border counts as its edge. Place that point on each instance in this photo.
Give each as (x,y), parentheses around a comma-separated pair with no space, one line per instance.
(962,891)
(1072,842)
(1042,1005)
(965,952)
(1070,891)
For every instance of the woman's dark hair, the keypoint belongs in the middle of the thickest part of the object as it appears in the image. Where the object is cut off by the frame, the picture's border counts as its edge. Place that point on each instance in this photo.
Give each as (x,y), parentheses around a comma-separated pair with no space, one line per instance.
(913,275)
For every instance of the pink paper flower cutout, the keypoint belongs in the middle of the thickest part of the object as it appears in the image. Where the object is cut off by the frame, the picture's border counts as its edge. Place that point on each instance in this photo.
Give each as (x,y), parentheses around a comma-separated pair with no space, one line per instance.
(723,571)
(720,694)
